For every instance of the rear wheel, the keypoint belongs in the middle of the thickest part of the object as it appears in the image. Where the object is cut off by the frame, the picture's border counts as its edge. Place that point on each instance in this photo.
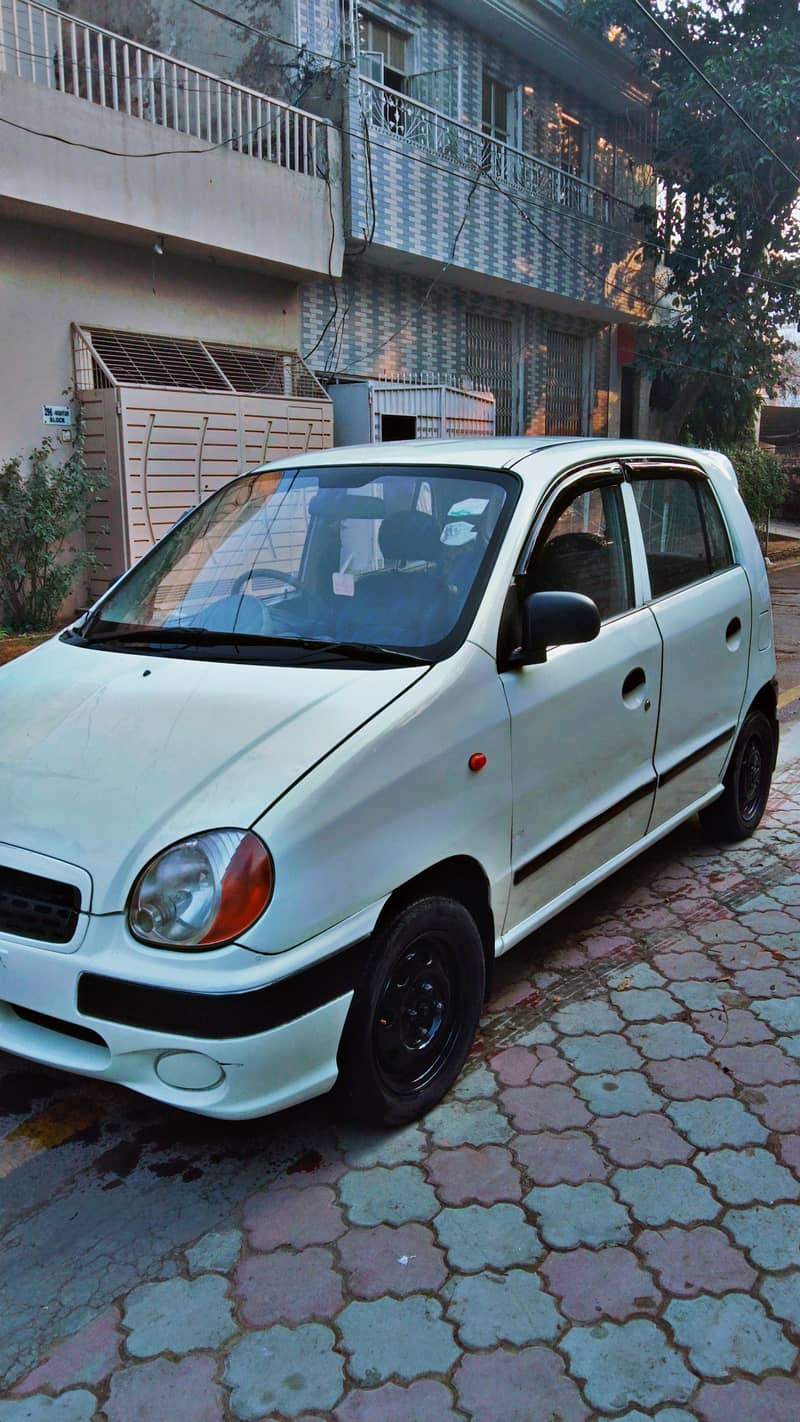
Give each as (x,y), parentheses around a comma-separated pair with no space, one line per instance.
(739,809)
(414,1014)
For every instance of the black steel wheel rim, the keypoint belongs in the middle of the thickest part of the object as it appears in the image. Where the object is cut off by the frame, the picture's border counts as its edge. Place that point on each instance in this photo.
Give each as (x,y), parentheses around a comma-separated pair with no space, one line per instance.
(418,1015)
(752,779)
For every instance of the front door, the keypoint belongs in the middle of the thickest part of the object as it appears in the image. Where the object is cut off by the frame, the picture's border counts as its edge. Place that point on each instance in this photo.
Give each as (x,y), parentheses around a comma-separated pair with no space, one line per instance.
(583,723)
(701,602)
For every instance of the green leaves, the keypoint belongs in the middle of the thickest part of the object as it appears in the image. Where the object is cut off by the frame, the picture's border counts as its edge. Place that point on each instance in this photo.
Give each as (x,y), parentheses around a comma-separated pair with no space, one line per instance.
(728,231)
(39,511)
(762,482)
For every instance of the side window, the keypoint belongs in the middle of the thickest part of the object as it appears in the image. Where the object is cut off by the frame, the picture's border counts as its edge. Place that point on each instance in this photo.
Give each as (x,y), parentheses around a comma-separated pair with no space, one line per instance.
(584,549)
(684,536)
(719,544)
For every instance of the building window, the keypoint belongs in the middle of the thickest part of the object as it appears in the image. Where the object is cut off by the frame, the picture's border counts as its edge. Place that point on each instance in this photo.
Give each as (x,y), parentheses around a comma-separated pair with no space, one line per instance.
(377,38)
(571,145)
(497,110)
(565,390)
(489,362)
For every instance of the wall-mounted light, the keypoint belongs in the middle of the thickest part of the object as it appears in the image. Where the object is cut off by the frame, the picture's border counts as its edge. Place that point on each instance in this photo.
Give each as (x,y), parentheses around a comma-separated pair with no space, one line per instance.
(158,246)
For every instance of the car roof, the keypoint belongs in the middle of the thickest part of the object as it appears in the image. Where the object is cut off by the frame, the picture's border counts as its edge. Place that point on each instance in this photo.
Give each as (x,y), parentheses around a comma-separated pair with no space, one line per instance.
(499,452)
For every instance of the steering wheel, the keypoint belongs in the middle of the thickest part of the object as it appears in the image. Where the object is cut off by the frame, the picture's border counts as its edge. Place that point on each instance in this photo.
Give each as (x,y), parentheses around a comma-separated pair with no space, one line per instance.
(319,608)
(240,583)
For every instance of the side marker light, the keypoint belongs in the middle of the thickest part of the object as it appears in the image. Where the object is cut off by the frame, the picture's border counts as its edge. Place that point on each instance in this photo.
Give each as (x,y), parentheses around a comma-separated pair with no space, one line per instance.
(477,762)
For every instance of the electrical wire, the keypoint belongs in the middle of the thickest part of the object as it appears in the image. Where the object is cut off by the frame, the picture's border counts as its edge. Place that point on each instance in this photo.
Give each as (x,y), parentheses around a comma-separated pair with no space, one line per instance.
(265,34)
(428,291)
(158,153)
(452,172)
(576,214)
(331,279)
(369,141)
(673,43)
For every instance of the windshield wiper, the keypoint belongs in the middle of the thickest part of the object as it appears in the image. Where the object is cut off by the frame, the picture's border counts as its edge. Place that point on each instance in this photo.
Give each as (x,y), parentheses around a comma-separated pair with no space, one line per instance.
(206,637)
(372,652)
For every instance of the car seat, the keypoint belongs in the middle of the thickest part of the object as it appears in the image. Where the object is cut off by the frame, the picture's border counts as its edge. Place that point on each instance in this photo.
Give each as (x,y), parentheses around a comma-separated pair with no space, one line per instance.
(406,604)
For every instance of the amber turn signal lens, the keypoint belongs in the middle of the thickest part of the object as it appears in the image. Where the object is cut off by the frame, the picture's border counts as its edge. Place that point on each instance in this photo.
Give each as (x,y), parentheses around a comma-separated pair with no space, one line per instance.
(245,891)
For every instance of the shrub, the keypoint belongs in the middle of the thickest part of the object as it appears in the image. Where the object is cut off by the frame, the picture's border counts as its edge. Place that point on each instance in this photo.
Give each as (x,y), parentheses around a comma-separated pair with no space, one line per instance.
(38,513)
(762,482)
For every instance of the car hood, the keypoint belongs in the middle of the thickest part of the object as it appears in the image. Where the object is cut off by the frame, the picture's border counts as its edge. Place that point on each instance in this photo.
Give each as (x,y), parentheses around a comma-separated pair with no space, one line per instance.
(106,758)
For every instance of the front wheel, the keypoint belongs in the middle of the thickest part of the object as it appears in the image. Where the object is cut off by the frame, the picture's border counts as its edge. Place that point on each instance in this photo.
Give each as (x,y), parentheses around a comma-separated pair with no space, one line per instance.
(739,809)
(414,1014)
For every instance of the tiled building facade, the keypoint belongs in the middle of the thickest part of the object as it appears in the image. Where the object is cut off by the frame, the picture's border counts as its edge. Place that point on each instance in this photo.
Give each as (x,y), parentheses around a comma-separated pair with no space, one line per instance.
(490,208)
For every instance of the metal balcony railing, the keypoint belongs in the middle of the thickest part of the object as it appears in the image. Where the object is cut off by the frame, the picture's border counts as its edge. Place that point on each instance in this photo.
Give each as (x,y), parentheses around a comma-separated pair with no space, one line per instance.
(442,137)
(73,57)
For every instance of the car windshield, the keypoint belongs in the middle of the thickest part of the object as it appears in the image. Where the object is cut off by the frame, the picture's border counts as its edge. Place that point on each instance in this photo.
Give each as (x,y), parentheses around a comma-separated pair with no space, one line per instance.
(364,560)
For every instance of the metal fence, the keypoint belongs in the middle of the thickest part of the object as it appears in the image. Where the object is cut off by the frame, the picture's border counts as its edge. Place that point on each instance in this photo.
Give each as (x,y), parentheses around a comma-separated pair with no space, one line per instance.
(422,127)
(73,57)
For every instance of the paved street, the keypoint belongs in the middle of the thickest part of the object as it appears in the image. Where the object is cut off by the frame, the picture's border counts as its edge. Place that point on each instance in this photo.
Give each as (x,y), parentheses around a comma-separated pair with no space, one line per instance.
(785,585)
(602,1221)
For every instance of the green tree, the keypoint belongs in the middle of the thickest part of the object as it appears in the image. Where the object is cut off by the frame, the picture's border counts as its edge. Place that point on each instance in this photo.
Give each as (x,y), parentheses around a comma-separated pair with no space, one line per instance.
(39,511)
(727,225)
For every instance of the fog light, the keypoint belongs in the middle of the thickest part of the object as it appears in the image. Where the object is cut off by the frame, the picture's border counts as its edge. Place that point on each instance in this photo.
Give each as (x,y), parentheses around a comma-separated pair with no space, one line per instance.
(189,1071)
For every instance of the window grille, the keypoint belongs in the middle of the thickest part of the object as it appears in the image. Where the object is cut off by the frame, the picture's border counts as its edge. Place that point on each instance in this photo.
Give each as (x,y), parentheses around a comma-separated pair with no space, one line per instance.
(564,390)
(489,362)
(106,358)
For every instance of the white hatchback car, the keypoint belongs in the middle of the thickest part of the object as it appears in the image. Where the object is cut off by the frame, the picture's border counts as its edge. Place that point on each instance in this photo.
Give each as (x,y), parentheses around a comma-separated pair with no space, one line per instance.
(352,729)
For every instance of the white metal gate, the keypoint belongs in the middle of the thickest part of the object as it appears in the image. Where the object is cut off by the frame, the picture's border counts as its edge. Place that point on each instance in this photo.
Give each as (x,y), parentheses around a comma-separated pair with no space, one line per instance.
(565,401)
(172,419)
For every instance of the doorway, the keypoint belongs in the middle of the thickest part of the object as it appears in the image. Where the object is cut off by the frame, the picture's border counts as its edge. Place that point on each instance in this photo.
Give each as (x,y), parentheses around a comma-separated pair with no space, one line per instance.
(394,427)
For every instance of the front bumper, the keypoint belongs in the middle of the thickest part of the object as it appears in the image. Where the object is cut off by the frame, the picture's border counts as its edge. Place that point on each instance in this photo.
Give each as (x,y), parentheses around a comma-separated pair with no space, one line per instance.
(268,1044)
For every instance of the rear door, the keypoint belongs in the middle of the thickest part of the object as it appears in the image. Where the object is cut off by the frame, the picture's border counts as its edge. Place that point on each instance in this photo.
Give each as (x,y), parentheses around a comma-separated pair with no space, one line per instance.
(700,599)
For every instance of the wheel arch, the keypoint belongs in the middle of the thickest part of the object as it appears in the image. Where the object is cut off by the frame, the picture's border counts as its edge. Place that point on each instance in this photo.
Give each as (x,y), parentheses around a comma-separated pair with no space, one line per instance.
(459,877)
(766,700)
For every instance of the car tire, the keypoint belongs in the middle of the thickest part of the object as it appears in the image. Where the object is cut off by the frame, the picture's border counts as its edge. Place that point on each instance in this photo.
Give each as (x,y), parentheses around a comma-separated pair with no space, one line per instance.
(738,811)
(414,1013)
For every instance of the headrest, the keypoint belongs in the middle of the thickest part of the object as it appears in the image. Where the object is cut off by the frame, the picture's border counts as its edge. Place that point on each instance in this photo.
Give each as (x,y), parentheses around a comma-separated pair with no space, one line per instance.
(409,537)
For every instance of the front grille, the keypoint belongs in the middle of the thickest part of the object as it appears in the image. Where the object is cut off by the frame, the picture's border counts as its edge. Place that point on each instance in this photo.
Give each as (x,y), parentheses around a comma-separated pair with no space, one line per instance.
(34,907)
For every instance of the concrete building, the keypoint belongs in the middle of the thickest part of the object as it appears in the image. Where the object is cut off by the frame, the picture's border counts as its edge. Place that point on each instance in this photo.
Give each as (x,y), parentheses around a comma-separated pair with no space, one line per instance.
(148,195)
(446,194)
(495,157)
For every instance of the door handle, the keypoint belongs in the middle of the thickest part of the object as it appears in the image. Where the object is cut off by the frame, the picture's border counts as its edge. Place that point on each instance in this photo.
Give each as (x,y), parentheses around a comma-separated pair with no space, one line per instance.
(633,689)
(633,682)
(733,633)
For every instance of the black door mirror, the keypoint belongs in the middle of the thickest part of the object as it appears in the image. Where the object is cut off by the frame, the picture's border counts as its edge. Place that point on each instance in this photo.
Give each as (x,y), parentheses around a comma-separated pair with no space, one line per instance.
(555,619)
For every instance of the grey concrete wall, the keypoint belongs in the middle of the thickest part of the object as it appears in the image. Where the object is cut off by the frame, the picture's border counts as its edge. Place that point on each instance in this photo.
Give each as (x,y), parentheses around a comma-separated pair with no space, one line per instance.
(254,212)
(232,50)
(51,277)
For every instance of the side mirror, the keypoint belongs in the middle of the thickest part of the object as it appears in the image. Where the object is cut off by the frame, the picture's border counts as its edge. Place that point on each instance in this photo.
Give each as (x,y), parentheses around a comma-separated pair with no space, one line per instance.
(555,619)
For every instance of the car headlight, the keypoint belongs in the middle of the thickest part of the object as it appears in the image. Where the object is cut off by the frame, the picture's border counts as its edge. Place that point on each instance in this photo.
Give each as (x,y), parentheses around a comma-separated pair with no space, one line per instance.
(203,891)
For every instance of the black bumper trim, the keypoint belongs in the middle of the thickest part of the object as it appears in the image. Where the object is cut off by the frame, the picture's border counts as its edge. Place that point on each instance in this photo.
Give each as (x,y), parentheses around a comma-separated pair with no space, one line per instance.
(221,1015)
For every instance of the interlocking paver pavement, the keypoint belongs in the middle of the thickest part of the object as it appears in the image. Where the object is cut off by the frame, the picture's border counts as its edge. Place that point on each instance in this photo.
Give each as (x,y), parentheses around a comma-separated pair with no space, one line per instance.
(602,1221)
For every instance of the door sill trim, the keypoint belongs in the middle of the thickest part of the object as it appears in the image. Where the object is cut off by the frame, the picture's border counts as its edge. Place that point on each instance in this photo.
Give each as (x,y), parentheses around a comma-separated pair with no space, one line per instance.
(549,910)
(588,827)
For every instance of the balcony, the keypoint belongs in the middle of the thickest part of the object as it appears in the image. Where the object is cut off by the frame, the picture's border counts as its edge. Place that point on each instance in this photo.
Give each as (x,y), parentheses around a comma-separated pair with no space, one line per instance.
(444,195)
(256,177)
(445,138)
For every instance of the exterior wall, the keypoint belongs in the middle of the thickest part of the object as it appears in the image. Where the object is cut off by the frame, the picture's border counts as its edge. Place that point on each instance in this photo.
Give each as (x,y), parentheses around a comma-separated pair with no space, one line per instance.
(197,37)
(391,326)
(53,277)
(560,250)
(255,212)
(436,245)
